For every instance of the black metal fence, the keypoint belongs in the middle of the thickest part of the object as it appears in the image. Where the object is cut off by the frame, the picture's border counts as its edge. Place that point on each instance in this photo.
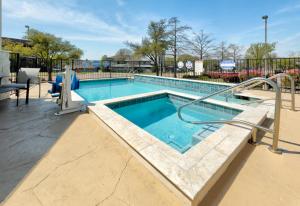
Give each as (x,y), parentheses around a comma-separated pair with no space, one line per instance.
(85,69)
(91,69)
(248,68)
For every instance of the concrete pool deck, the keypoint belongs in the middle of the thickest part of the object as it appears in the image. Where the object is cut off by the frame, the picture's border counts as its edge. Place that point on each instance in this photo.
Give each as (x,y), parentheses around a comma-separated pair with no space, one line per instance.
(87,166)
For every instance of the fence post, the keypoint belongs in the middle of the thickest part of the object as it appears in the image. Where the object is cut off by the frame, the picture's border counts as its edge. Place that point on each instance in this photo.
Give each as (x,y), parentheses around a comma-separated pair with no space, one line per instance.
(175,69)
(50,71)
(61,65)
(110,69)
(72,64)
(18,65)
(194,68)
(247,67)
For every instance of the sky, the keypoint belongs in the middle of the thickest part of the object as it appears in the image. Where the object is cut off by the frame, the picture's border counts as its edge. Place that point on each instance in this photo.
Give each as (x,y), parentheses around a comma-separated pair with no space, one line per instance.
(101,27)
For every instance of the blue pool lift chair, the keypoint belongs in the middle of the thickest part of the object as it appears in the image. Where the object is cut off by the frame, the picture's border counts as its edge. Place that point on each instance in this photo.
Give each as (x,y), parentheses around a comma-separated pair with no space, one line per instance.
(62,87)
(57,85)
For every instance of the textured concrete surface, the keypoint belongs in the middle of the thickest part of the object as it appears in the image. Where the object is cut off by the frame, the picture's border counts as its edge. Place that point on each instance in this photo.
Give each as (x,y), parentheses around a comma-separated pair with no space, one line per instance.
(259,177)
(87,166)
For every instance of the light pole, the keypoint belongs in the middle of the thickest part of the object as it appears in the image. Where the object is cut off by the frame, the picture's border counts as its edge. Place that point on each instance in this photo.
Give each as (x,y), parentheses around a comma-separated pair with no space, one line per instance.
(27,27)
(265,18)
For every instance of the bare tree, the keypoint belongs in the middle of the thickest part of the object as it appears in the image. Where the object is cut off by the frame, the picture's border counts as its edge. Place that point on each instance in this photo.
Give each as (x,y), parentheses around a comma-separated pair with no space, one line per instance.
(221,51)
(202,44)
(177,38)
(235,51)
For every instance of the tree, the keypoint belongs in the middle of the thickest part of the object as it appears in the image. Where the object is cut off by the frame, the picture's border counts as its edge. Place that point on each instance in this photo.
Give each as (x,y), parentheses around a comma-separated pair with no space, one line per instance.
(17,48)
(123,55)
(45,46)
(187,57)
(177,38)
(48,46)
(104,57)
(235,51)
(221,51)
(202,44)
(260,51)
(155,45)
(75,53)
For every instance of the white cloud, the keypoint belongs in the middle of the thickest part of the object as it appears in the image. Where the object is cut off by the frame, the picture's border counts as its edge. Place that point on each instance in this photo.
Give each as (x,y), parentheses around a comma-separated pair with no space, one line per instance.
(120,2)
(253,33)
(121,21)
(64,15)
(94,38)
(289,8)
(288,45)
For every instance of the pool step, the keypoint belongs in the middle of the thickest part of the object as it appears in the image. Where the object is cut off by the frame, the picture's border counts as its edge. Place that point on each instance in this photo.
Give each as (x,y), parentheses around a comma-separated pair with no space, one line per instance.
(197,137)
(182,149)
(205,132)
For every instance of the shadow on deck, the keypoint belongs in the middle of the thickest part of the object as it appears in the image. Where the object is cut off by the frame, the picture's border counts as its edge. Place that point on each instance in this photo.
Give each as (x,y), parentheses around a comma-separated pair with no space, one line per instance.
(27,132)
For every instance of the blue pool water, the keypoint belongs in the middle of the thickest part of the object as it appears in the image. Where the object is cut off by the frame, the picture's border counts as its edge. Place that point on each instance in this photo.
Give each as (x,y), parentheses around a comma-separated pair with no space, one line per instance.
(107,89)
(158,116)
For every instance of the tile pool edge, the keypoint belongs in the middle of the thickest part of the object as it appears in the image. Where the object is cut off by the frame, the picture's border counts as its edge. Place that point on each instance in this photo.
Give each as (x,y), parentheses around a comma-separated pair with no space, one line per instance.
(94,80)
(187,80)
(194,172)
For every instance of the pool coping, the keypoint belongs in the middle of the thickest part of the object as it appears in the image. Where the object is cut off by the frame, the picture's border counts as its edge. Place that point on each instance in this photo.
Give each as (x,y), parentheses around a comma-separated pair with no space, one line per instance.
(194,172)
(187,80)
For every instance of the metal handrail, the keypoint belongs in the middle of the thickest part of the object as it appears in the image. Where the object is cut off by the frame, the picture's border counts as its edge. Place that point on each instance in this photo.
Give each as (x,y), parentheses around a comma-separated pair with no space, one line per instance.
(273,77)
(275,131)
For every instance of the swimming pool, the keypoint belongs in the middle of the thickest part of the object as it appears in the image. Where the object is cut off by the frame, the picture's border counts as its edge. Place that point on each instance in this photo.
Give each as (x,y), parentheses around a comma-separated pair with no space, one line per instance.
(143,115)
(96,90)
(158,116)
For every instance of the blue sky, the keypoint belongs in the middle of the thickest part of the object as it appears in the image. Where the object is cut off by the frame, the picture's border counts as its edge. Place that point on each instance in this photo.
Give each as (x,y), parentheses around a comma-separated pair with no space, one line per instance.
(102,26)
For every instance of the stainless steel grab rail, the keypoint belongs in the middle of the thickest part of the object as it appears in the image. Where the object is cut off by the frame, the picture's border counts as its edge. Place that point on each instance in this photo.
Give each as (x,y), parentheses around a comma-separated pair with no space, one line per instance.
(274,77)
(275,131)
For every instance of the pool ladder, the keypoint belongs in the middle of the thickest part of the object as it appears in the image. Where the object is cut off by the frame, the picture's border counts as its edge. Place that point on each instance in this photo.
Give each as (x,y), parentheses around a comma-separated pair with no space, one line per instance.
(256,81)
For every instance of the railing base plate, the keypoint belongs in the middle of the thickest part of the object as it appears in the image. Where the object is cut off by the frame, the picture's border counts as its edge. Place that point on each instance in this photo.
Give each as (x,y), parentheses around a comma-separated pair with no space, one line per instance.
(276,151)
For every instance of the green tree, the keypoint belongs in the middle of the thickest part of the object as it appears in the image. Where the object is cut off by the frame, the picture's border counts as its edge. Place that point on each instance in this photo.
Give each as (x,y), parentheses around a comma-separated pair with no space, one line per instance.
(104,57)
(260,51)
(123,55)
(17,48)
(187,57)
(154,45)
(45,46)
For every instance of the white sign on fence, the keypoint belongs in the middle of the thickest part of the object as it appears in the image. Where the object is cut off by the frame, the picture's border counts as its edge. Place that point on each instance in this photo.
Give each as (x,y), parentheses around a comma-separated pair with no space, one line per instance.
(227,64)
(199,67)
(180,65)
(189,65)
